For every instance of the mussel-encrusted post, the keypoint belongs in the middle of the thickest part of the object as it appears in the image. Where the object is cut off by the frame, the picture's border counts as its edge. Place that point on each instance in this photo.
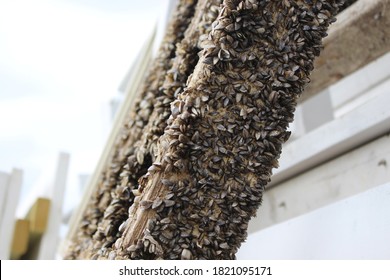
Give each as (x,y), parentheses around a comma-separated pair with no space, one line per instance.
(113,195)
(226,130)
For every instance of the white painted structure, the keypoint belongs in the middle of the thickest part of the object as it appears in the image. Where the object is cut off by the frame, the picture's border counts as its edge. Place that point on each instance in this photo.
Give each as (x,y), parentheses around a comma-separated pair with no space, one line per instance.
(3,192)
(354,228)
(51,238)
(330,198)
(11,187)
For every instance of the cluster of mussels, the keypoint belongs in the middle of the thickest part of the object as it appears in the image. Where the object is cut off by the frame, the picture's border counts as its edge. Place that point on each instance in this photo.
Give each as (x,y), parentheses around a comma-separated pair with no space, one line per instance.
(133,152)
(346,4)
(113,195)
(183,63)
(208,136)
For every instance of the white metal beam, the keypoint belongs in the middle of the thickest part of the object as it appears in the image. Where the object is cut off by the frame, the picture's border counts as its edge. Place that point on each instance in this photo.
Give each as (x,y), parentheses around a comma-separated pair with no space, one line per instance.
(353,129)
(360,35)
(355,228)
(50,239)
(357,171)
(8,221)
(4,177)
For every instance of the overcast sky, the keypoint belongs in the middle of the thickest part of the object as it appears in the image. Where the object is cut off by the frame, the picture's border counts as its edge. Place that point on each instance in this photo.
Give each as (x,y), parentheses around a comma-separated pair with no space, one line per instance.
(61,62)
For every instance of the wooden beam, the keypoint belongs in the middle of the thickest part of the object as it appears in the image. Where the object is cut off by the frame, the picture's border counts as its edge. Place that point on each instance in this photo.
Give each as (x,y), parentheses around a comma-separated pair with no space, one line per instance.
(360,35)
(20,239)
(39,216)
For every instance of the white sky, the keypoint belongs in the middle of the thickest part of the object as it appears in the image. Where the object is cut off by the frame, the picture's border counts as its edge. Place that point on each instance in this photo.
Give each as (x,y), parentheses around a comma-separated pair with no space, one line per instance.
(61,62)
